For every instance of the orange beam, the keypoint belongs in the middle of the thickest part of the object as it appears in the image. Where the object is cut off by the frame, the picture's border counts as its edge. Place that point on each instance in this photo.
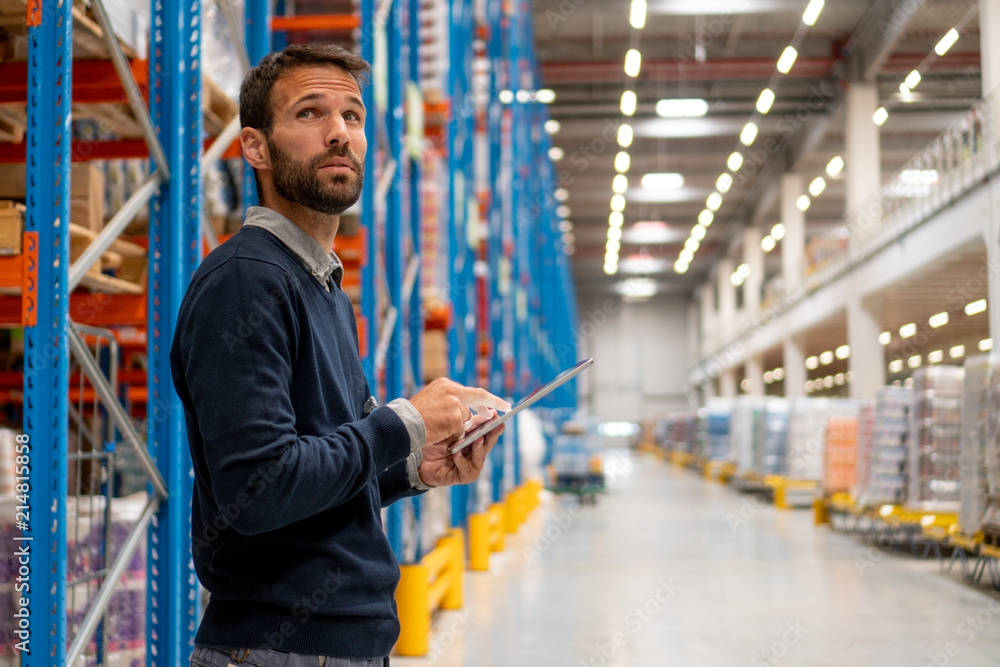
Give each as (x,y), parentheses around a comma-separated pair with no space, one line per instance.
(316,22)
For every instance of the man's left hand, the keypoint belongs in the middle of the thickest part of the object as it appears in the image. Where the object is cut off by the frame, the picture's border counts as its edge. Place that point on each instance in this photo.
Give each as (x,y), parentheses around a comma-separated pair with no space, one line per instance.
(440,467)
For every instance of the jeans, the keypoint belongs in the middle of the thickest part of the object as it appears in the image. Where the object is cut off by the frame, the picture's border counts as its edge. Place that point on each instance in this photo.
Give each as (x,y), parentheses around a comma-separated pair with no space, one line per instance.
(204,656)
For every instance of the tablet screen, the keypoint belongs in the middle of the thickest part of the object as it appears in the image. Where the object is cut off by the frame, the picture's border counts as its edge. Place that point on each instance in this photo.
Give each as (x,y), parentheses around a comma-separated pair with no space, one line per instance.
(529,400)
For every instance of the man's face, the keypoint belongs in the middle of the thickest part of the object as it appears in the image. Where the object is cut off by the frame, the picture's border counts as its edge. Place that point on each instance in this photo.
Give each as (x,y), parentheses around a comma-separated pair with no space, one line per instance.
(317,144)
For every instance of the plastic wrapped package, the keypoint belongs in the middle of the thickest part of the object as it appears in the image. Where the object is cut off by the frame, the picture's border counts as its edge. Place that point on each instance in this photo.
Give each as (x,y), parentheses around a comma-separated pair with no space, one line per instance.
(742,427)
(991,456)
(219,57)
(840,457)
(978,402)
(772,434)
(807,434)
(935,436)
(866,426)
(886,482)
(715,428)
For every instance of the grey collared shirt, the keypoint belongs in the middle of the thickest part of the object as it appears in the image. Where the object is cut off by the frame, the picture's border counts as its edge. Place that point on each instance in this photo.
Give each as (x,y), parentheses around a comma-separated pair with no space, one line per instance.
(323,266)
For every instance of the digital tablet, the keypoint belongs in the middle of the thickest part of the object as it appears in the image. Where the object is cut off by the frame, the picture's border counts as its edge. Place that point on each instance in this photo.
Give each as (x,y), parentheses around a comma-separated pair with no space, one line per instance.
(528,401)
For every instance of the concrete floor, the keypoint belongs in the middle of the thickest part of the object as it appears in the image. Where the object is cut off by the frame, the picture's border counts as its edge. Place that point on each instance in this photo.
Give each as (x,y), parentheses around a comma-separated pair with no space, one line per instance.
(669,569)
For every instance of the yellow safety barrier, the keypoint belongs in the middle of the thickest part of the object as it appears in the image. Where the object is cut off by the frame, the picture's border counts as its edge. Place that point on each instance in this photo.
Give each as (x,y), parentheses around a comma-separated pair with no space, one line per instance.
(486,535)
(821,513)
(433,583)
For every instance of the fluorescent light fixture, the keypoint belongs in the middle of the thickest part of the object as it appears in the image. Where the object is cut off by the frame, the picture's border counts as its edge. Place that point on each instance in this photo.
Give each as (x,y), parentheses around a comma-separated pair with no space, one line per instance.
(835,166)
(618,203)
(564,211)
(610,268)
(986,345)
(682,108)
(692,245)
(768,377)
(629,102)
(828,382)
(686,256)
(812,11)
(915,361)
(622,162)
(620,184)
(625,135)
(562,194)
(637,287)
(723,183)
(698,232)
(778,231)
(908,330)
(905,91)
(545,96)
(787,59)
(506,96)
(843,352)
(650,232)
(935,357)
(946,42)
(748,134)
(734,162)
(680,267)
(817,186)
(919,176)
(849,376)
(523,96)
(768,243)
(803,203)
(568,238)
(556,154)
(552,126)
(938,320)
(826,358)
(809,386)
(896,366)
(839,379)
(957,352)
(975,307)
(714,201)
(765,100)
(885,337)
(615,233)
(565,226)
(880,116)
(642,264)
(637,16)
(613,246)
(912,79)
(616,219)
(665,181)
(706,218)
(779,374)
(633,62)
(812,363)
(736,279)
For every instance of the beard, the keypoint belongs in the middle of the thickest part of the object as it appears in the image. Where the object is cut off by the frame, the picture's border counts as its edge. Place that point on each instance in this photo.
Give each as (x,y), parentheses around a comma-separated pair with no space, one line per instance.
(300,181)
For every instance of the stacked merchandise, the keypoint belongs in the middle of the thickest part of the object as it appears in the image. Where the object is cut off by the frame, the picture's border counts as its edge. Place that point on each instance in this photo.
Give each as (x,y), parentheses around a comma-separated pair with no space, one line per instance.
(991,517)
(841,452)
(682,433)
(977,400)
(887,473)
(807,433)
(934,446)
(743,425)
(866,437)
(714,429)
(772,437)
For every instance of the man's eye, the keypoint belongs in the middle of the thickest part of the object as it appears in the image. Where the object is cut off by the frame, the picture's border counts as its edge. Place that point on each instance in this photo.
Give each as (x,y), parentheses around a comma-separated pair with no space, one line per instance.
(305,113)
(351,115)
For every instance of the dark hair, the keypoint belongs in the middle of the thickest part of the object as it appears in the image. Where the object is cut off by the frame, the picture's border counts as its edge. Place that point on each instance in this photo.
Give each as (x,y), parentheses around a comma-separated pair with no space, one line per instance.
(255,93)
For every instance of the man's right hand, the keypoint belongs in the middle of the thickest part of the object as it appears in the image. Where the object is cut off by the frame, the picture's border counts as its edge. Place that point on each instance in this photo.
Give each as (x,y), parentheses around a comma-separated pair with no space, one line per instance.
(445,407)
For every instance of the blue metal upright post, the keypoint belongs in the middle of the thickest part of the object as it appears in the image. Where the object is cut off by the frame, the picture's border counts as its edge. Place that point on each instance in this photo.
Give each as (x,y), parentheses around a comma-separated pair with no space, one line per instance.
(46,349)
(368,271)
(414,319)
(258,39)
(174,251)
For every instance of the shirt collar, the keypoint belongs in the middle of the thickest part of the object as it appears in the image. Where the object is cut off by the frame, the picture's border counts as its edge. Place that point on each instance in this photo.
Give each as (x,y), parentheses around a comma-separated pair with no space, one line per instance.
(321,264)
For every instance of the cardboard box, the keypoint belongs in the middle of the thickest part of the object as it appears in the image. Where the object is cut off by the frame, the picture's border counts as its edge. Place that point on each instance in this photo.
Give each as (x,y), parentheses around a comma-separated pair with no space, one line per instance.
(11,227)
(85,181)
(435,355)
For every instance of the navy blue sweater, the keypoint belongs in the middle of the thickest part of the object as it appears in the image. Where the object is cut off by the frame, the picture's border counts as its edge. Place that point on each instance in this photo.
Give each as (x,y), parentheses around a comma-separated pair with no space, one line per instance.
(290,475)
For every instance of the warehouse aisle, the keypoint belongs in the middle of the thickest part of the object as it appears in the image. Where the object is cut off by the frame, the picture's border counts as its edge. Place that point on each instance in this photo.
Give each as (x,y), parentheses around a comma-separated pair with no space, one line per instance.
(669,569)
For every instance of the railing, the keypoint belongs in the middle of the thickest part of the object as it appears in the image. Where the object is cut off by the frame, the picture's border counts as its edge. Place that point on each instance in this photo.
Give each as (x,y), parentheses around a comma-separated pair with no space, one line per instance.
(433,583)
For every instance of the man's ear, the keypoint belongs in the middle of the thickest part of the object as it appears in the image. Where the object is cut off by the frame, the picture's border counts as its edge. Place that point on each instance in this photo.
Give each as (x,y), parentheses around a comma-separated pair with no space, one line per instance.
(255,148)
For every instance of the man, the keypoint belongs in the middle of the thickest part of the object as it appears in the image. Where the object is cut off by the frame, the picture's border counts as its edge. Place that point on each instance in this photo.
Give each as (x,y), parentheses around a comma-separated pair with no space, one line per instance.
(293,461)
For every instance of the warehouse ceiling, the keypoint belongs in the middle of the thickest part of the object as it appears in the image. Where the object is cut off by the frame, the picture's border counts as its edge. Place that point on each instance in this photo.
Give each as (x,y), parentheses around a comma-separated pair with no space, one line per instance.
(725,53)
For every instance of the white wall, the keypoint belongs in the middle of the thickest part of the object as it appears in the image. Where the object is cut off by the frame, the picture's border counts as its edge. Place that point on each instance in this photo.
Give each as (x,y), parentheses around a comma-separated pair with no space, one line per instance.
(641,357)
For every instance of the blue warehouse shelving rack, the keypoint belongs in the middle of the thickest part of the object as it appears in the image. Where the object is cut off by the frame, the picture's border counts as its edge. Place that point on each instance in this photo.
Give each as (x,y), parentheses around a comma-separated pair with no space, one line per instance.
(507,280)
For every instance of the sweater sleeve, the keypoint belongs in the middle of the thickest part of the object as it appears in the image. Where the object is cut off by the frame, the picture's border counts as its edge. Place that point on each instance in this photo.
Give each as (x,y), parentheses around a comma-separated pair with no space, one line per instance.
(235,346)
(394,484)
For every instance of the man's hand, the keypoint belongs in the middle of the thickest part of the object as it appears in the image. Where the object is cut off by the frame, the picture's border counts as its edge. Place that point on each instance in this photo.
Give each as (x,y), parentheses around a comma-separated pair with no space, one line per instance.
(442,468)
(444,406)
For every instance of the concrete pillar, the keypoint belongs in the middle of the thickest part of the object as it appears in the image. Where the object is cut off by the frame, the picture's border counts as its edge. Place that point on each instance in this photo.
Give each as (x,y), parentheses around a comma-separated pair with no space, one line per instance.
(755,374)
(867,360)
(726,324)
(989,45)
(708,319)
(793,246)
(753,256)
(795,366)
(728,383)
(863,170)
